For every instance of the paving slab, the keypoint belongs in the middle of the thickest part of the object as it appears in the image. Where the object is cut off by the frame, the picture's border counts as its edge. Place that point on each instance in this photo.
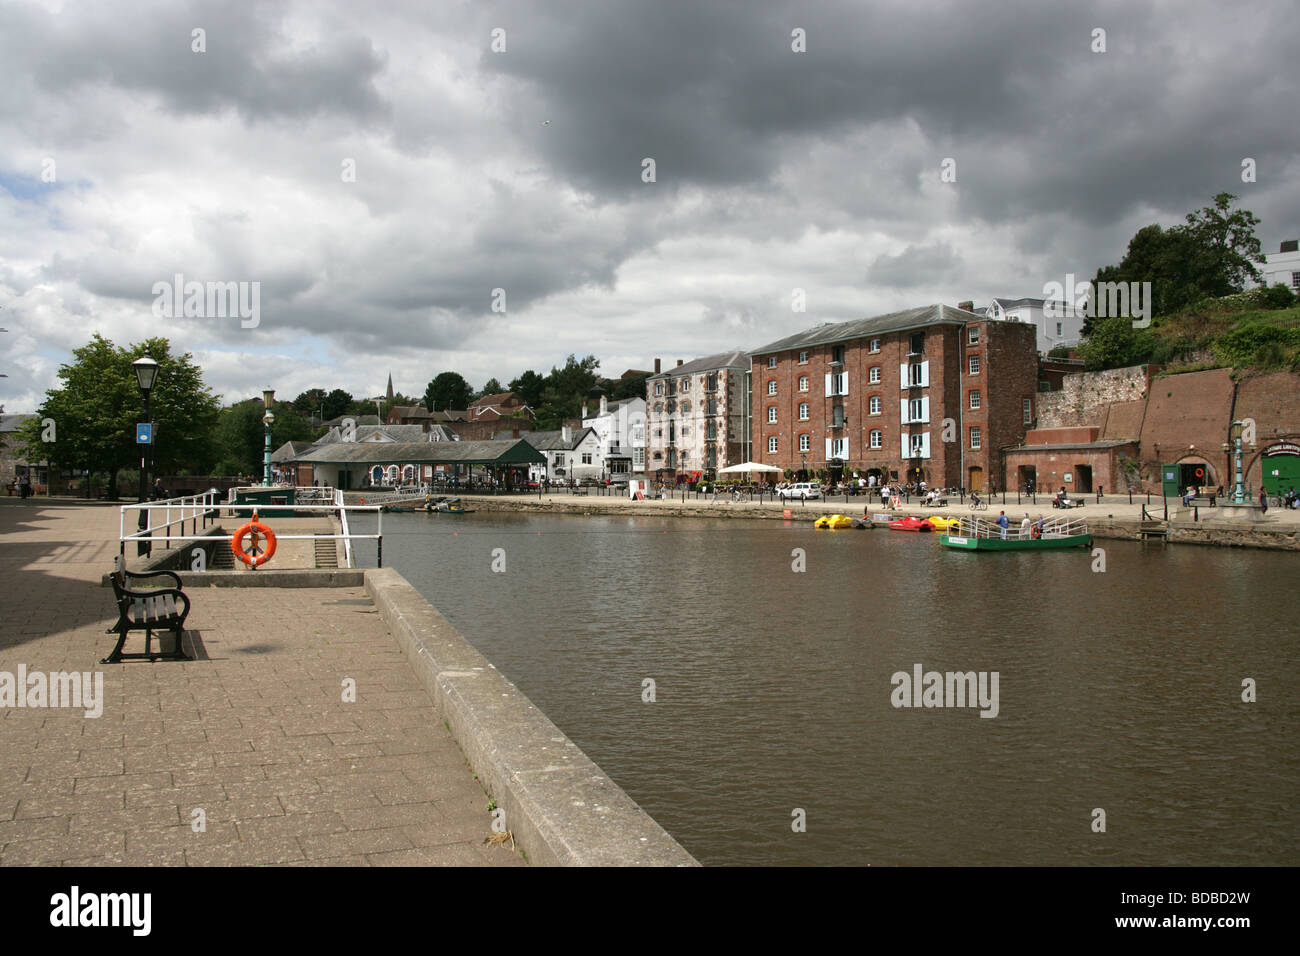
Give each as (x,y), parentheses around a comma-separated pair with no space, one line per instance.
(256,732)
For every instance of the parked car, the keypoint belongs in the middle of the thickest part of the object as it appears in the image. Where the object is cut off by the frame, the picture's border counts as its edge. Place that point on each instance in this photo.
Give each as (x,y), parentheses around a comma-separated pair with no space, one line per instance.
(802,490)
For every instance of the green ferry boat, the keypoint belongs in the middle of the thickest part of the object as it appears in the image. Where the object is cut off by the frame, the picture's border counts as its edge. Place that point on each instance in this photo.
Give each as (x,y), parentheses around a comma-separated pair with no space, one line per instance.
(980,534)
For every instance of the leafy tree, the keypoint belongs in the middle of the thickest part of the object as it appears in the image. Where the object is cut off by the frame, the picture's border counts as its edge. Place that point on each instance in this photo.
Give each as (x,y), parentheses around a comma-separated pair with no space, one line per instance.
(96,410)
(311,402)
(528,386)
(491,387)
(447,390)
(564,391)
(633,387)
(1114,343)
(241,435)
(1212,255)
(337,402)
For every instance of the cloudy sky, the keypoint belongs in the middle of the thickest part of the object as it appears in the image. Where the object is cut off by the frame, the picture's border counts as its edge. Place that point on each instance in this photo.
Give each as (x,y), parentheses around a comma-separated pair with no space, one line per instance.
(381,168)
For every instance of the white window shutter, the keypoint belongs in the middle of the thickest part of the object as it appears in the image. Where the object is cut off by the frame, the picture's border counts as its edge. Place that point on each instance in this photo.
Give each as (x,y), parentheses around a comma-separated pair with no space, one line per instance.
(828,449)
(925,445)
(902,411)
(907,447)
(902,375)
(925,373)
(828,384)
(925,410)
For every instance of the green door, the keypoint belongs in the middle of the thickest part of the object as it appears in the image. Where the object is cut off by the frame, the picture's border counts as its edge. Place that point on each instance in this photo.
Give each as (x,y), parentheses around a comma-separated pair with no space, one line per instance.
(1281,472)
(1169,478)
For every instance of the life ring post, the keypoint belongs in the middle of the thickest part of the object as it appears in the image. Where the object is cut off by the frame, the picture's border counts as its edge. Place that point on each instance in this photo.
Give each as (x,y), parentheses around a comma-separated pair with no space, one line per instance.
(256,555)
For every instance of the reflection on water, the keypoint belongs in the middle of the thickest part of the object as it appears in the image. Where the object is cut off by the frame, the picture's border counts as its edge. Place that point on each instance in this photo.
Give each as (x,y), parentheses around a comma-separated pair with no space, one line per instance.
(1119,690)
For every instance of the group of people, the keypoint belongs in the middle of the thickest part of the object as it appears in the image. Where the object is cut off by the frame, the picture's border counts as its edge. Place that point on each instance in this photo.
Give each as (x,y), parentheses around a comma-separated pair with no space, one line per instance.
(21,486)
(1028,529)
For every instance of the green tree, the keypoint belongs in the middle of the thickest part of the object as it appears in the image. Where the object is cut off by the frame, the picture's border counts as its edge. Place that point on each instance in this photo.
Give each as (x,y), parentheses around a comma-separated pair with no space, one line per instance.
(337,402)
(241,434)
(447,390)
(1114,343)
(528,386)
(99,403)
(1213,254)
(491,387)
(633,387)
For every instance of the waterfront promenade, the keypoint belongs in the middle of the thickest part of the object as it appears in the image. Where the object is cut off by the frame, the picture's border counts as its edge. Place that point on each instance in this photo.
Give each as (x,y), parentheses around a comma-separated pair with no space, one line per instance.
(1112,517)
(255,733)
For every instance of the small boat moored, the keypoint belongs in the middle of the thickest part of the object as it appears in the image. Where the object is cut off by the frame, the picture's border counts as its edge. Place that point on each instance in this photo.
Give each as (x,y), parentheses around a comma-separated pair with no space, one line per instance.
(1050,534)
(911,523)
(833,522)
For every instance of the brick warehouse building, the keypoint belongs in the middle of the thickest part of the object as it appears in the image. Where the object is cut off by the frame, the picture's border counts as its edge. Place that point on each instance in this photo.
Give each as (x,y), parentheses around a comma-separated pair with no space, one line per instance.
(872,396)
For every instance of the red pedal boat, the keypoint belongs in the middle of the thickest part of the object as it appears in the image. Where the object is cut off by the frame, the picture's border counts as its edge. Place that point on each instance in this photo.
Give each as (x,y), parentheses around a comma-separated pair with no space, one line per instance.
(911,524)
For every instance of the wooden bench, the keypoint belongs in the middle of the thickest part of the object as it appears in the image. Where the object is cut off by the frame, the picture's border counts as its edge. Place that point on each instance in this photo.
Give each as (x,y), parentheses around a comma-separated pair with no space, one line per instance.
(154,609)
(941,503)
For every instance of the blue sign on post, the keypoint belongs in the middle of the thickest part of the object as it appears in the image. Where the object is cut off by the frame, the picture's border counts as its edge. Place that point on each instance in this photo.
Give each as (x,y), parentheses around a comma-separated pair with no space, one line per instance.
(144,433)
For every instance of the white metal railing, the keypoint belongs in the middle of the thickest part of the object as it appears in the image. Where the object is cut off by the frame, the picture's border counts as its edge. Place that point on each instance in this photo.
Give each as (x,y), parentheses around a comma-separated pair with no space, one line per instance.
(192,507)
(973,527)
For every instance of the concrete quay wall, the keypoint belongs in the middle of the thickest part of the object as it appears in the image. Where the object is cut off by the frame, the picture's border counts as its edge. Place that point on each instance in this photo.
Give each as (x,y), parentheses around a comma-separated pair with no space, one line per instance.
(1113,518)
(561,808)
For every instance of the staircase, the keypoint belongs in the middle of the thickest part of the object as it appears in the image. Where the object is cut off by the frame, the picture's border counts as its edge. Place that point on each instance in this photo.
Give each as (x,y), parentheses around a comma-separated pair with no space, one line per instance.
(327,555)
(223,559)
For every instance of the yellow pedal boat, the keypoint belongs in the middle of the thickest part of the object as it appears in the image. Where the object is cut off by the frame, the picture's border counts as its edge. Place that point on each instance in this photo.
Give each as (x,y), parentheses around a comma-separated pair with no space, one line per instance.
(833,522)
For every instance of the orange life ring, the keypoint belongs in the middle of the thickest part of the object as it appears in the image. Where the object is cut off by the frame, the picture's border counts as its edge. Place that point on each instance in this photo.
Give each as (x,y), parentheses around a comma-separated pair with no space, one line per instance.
(259,556)
(1035,532)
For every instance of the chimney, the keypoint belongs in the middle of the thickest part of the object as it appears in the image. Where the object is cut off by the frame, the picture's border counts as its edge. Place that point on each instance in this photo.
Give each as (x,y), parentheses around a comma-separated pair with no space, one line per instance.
(968,306)
(584,411)
(679,361)
(604,405)
(656,366)
(566,433)
(514,431)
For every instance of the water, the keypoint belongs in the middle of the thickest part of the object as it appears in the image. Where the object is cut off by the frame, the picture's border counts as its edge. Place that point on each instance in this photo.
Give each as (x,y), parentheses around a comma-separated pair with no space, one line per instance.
(1118,690)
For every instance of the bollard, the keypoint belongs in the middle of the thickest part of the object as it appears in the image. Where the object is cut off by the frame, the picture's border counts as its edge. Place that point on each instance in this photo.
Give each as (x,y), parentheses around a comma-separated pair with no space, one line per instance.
(1196,512)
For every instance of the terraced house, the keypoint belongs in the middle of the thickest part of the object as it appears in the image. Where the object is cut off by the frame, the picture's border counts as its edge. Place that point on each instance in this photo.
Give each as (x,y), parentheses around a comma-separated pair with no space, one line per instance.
(933,393)
(696,416)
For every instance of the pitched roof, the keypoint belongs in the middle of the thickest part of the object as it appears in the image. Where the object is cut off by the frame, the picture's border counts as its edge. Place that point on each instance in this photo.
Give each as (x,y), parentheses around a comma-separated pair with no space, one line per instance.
(437,452)
(499,398)
(554,440)
(289,450)
(11,423)
(410,411)
(737,358)
(828,332)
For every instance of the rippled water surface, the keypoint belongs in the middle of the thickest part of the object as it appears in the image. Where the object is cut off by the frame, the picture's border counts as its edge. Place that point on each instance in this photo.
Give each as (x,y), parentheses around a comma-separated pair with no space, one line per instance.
(1118,690)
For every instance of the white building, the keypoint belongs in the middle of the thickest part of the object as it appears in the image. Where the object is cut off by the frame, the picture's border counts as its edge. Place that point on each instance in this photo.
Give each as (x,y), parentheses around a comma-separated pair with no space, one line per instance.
(1061,324)
(620,431)
(1283,266)
(569,454)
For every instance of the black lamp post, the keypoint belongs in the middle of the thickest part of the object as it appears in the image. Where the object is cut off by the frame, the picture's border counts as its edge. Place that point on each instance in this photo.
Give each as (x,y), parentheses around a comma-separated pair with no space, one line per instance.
(146,375)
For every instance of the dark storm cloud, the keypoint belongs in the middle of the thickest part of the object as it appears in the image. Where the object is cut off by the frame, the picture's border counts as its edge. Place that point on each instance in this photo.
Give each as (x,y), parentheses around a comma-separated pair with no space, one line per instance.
(251,64)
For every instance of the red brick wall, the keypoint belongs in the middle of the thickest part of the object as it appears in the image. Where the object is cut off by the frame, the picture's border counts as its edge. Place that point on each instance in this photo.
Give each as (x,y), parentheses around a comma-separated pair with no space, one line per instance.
(1008,373)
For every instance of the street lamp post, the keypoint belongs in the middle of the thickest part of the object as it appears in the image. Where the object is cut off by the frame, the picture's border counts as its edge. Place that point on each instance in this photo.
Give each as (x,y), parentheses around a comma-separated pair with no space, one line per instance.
(1239,490)
(146,376)
(268,396)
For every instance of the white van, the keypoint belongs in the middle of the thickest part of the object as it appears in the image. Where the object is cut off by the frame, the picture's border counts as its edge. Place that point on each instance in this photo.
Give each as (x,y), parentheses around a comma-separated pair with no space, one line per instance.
(802,490)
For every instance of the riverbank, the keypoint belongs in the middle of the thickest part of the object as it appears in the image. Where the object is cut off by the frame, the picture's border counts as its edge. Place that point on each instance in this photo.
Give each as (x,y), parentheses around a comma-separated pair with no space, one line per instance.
(1112,518)
(324,717)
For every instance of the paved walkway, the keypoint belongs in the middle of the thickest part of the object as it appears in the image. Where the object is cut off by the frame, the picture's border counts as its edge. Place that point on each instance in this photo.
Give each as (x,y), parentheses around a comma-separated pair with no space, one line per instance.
(255,733)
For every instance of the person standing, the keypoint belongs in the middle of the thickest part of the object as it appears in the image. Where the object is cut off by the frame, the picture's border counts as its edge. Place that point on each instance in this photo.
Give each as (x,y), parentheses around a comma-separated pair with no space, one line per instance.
(1004,523)
(1263,501)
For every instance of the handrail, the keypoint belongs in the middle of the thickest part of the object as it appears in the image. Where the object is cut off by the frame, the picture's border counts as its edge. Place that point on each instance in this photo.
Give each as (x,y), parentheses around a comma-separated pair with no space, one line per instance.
(193,506)
(343,524)
(1062,527)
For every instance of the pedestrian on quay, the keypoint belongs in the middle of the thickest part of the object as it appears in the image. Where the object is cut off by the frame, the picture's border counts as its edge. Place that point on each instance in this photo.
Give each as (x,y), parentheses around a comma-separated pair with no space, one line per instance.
(1263,502)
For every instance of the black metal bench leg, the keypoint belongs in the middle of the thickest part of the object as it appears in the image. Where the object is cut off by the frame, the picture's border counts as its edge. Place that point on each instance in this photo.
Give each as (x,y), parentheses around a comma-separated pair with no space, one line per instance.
(116,656)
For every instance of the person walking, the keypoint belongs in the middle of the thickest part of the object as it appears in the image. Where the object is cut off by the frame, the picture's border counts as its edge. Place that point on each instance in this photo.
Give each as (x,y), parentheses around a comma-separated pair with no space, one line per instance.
(1263,501)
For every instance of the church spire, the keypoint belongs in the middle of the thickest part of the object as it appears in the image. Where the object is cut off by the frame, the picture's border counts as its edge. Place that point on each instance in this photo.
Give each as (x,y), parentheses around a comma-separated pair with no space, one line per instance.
(390,386)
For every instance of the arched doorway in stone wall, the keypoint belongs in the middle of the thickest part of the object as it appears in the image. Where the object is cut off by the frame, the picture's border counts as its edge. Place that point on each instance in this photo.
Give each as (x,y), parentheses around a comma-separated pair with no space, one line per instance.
(1195,472)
